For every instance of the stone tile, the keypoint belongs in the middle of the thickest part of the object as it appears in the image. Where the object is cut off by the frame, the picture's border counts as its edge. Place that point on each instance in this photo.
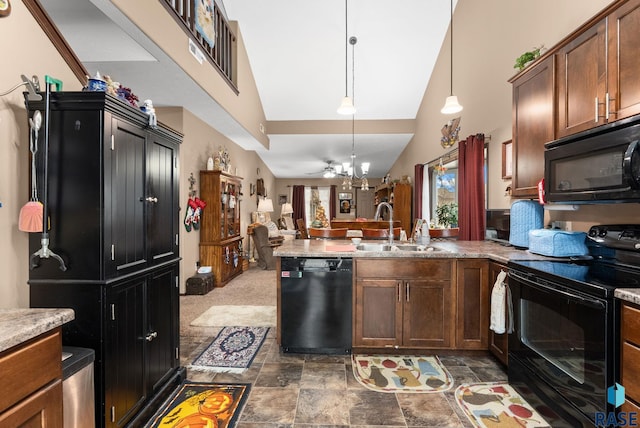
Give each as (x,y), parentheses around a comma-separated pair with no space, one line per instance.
(323,376)
(280,375)
(427,410)
(270,406)
(262,425)
(322,407)
(374,408)
(490,374)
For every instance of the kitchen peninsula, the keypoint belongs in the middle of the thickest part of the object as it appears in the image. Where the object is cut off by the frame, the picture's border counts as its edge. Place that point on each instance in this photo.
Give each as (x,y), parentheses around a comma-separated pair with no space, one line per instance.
(31,366)
(440,300)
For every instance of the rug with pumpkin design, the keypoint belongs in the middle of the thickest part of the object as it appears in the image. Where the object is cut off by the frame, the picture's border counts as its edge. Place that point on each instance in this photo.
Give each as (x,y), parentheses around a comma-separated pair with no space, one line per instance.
(202,405)
(497,404)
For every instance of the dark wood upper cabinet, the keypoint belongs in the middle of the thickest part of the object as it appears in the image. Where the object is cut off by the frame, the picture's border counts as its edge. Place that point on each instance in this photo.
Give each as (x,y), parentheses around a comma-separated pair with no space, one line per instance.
(533,126)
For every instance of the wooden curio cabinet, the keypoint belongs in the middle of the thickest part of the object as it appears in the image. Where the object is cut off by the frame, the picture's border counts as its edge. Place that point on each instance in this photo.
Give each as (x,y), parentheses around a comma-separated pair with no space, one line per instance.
(220,240)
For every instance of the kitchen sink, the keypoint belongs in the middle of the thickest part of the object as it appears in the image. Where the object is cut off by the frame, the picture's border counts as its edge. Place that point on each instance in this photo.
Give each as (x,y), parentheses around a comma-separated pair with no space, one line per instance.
(395,247)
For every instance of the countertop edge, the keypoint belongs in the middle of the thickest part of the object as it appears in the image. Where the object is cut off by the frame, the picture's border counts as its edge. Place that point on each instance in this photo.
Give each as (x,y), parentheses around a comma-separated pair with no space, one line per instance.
(20,325)
(631,295)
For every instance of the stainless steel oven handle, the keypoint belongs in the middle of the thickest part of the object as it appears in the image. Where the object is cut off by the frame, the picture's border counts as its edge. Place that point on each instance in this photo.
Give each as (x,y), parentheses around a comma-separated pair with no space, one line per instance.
(572,296)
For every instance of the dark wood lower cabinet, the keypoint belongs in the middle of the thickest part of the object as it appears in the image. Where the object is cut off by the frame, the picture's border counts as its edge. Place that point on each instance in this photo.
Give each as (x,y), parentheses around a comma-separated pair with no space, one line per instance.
(31,386)
(498,343)
(403,305)
(472,314)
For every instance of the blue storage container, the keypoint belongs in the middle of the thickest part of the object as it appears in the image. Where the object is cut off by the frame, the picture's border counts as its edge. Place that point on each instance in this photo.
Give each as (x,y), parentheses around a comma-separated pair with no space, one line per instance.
(525,216)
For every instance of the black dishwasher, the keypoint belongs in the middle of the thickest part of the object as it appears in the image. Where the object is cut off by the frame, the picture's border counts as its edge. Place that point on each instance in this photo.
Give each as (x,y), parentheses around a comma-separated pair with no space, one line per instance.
(316,305)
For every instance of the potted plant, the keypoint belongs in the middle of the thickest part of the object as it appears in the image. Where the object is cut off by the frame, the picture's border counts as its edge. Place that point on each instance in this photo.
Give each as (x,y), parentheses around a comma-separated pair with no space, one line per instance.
(447,215)
(523,60)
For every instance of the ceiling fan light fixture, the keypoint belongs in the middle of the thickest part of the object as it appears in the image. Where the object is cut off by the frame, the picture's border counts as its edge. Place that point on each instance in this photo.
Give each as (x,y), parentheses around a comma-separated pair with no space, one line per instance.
(338,169)
(451,105)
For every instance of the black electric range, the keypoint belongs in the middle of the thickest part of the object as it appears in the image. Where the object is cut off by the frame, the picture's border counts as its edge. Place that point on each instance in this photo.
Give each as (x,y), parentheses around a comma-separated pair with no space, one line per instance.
(564,350)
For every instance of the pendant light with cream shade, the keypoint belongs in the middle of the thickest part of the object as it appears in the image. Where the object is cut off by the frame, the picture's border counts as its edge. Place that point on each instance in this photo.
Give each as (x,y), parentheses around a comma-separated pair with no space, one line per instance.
(451,104)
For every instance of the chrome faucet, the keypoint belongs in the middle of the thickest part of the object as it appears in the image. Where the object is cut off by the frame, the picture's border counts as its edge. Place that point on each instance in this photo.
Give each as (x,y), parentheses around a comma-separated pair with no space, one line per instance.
(377,217)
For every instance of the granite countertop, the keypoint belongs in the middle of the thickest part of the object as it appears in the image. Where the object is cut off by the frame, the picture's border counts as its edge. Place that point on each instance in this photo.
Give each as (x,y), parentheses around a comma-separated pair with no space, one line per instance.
(631,295)
(19,325)
(441,249)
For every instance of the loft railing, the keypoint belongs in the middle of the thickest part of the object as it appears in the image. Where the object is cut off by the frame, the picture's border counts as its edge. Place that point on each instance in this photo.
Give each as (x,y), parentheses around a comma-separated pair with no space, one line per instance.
(222,54)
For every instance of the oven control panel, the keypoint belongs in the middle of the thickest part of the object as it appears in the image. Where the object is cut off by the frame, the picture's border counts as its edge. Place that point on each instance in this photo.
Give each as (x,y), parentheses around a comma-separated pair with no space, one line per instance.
(622,236)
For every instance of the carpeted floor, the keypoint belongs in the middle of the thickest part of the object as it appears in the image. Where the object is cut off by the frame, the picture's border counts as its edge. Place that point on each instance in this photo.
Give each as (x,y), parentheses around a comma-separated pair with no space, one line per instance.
(253,287)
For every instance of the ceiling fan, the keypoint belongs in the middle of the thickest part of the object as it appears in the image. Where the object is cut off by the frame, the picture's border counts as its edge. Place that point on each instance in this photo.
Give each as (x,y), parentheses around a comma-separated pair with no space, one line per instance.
(329,171)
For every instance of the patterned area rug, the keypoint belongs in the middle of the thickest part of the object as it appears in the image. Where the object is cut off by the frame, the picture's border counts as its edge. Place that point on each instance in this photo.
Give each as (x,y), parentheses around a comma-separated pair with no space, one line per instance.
(232,350)
(497,404)
(202,405)
(222,315)
(403,373)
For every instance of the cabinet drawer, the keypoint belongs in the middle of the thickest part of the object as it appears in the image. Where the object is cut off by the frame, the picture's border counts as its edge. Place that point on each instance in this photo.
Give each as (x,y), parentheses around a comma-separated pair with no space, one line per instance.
(29,367)
(631,324)
(436,269)
(42,409)
(630,370)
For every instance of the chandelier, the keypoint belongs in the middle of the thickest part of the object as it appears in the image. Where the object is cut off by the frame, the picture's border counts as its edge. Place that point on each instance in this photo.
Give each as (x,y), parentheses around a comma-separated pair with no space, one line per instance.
(348,169)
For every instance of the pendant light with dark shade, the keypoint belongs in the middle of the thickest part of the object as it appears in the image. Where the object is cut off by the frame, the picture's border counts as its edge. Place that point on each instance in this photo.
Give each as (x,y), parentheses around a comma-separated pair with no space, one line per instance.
(451,104)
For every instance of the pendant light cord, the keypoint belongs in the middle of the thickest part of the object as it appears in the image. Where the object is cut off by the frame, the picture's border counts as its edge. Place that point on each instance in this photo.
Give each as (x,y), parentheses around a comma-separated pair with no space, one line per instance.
(346,49)
(451,48)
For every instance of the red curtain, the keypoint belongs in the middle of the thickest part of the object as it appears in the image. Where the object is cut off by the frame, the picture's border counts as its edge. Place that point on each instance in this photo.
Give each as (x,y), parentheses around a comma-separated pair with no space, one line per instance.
(471,213)
(298,203)
(332,202)
(417,189)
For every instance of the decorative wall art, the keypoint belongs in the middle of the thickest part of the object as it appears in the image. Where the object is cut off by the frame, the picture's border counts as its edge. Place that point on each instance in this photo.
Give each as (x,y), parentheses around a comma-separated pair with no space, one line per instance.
(204,20)
(450,132)
(345,202)
(507,159)
(5,8)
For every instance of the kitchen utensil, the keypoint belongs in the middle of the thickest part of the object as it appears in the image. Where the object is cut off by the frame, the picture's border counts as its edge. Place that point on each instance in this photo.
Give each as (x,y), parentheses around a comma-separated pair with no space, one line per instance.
(30,218)
(44,252)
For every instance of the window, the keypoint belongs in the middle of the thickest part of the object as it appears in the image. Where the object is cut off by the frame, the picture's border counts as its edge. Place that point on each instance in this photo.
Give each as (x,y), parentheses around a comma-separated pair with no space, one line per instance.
(316,197)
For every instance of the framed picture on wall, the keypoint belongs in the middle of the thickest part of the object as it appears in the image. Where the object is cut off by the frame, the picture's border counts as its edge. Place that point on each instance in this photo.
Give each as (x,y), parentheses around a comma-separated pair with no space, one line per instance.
(507,159)
(282,199)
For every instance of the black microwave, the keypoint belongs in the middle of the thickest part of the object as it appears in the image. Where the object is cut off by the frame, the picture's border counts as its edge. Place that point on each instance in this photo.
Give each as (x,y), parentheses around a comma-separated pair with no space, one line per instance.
(598,165)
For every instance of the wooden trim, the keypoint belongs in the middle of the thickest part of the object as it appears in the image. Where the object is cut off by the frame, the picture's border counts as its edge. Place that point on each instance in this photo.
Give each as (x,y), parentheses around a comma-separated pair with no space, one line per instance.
(44,20)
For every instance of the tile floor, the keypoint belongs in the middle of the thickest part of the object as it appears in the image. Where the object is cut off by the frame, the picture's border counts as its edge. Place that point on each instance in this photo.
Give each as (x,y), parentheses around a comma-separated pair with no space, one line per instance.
(295,390)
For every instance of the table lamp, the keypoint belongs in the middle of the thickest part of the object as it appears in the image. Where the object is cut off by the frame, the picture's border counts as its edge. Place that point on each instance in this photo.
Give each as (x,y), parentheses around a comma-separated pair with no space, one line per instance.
(265,206)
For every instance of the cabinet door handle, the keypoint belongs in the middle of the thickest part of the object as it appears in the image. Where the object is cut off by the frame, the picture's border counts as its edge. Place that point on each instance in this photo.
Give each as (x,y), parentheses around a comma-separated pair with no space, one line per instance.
(149,337)
(398,285)
(596,112)
(406,291)
(151,199)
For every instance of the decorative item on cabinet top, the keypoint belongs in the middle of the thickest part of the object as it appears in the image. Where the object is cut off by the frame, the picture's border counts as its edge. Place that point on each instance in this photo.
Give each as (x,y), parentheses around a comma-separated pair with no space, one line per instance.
(450,132)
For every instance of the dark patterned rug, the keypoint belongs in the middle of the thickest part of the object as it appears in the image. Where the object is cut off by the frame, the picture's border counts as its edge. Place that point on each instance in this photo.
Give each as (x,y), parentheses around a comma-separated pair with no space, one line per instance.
(233,350)
(202,405)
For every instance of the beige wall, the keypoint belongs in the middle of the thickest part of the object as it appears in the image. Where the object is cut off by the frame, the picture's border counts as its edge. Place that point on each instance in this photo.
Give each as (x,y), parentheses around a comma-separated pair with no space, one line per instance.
(160,27)
(26,50)
(488,37)
(201,141)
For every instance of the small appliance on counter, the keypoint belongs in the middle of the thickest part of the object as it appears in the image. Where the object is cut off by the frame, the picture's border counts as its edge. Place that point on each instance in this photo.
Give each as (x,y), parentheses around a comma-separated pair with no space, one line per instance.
(525,216)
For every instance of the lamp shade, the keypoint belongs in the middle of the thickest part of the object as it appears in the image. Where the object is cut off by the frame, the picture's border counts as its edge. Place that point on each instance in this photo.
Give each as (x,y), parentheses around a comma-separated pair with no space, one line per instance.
(287,208)
(346,107)
(265,206)
(451,105)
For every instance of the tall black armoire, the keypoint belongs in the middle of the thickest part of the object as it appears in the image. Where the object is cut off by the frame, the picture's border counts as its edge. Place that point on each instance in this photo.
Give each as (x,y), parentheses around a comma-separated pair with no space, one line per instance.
(114,219)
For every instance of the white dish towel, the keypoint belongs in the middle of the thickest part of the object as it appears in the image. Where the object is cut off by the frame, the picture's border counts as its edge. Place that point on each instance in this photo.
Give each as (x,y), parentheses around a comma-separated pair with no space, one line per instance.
(501,307)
